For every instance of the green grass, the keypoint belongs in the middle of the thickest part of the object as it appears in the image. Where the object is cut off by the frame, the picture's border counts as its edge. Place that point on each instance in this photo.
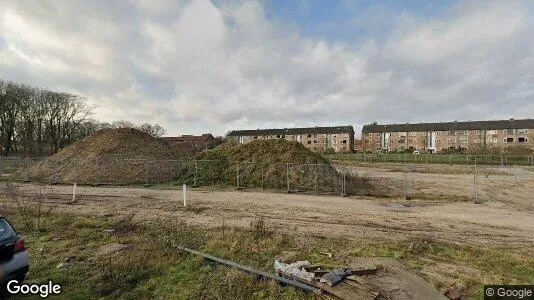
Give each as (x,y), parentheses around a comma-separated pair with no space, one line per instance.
(434,158)
(152,268)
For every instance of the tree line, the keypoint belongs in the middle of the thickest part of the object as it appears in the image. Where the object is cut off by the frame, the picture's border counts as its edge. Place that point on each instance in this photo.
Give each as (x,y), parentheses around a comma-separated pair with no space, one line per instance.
(38,122)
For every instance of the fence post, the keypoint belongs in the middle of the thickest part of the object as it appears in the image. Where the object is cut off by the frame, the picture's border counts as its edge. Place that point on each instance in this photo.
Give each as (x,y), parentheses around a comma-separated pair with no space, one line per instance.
(315,178)
(146,171)
(74,193)
(195,174)
(262,175)
(475,195)
(450,160)
(97,171)
(1,168)
(184,194)
(237,175)
(516,183)
(506,159)
(343,184)
(502,160)
(287,176)
(486,159)
(406,196)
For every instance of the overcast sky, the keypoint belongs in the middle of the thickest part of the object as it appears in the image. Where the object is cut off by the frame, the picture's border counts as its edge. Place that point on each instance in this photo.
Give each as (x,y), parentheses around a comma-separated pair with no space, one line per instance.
(213,66)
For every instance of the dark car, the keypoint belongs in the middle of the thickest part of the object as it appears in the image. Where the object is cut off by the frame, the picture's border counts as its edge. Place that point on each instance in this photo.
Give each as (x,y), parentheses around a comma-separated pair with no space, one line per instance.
(14,259)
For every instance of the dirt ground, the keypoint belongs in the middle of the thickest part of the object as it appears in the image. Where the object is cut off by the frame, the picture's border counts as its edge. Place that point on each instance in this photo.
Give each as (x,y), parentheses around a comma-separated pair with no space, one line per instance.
(501,220)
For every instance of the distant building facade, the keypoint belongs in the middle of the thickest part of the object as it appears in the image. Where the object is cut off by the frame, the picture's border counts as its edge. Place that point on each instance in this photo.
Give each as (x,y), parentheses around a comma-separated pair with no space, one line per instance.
(437,137)
(197,142)
(317,139)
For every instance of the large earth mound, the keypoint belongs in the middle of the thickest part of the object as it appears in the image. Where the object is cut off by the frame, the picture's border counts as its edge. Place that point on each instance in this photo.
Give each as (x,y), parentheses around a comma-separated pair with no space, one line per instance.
(112,156)
(273,163)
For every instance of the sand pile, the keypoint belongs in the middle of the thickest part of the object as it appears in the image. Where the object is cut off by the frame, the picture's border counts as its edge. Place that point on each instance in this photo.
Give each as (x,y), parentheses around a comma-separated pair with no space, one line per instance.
(114,156)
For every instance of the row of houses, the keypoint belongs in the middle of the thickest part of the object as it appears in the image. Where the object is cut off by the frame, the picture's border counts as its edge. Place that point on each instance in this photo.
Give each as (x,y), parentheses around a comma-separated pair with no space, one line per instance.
(422,137)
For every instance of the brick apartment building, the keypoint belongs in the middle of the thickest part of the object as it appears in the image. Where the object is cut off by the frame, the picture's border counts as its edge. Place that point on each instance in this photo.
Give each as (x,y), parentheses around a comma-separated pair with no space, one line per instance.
(318,139)
(196,142)
(437,137)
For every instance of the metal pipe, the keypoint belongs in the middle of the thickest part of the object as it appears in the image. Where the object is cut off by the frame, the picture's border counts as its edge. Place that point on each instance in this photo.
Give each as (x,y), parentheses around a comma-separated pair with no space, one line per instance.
(250,270)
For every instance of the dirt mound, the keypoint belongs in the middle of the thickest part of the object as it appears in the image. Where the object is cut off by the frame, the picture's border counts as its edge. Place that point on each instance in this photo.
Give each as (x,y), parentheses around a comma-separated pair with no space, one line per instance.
(276,164)
(112,156)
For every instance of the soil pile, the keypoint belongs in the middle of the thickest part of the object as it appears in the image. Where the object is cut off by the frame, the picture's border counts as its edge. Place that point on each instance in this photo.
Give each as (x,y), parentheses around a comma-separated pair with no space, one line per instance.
(277,164)
(112,156)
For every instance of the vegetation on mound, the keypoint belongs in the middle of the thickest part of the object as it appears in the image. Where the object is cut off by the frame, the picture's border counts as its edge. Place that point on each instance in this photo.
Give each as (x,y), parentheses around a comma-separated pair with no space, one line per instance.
(108,156)
(276,164)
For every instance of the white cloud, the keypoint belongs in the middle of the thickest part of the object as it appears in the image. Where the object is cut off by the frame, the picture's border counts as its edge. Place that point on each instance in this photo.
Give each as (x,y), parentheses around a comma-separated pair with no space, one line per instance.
(197,66)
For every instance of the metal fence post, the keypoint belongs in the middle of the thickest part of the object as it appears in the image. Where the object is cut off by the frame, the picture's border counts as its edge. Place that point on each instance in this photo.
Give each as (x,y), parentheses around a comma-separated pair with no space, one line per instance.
(146,171)
(195,174)
(287,177)
(262,175)
(516,183)
(237,175)
(475,195)
(97,171)
(406,196)
(315,178)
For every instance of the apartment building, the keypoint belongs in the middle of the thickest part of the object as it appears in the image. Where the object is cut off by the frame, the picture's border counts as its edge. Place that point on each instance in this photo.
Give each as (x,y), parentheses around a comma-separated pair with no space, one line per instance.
(437,137)
(318,139)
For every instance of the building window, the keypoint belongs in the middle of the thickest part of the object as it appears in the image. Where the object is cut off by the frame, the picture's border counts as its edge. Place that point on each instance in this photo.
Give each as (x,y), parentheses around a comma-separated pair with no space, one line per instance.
(412,133)
(477,132)
(462,132)
(309,142)
(463,140)
(522,140)
(522,131)
(494,140)
(477,141)
(423,141)
(508,131)
(256,137)
(452,132)
(402,141)
(414,141)
(315,141)
(344,141)
(438,141)
(309,135)
(451,141)
(508,140)
(492,132)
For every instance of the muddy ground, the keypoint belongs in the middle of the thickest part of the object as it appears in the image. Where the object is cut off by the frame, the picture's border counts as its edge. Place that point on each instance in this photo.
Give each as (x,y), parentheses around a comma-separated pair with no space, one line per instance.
(505,217)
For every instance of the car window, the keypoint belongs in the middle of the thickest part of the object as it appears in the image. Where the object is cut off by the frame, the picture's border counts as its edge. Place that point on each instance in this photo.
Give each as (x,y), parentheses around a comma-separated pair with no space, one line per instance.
(6,231)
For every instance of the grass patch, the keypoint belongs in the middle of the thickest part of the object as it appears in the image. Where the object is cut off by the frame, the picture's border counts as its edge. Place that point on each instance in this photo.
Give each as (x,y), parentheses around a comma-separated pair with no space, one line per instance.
(151,268)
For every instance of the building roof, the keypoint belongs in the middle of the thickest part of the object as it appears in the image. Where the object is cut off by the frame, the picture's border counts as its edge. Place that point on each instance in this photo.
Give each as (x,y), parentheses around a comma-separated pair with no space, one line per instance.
(290,131)
(189,138)
(446,126)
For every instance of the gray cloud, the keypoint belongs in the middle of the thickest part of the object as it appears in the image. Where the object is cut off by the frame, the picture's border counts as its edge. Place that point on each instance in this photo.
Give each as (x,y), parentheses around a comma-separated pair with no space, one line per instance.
(197,66)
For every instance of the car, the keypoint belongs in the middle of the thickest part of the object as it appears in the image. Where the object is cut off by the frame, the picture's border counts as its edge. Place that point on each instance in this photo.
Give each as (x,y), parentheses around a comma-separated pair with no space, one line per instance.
(14,258)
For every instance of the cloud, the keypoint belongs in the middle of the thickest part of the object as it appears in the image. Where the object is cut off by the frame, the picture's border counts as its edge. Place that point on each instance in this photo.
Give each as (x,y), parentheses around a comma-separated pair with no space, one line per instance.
(202,66)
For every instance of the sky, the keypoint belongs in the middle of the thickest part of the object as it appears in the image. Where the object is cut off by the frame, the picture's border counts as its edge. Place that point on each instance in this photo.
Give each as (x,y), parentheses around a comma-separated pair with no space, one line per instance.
(212,66)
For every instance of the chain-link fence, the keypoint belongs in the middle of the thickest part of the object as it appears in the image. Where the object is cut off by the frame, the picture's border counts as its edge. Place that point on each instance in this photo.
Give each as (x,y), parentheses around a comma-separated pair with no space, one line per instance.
(289,177)
(441,182)
(450,183)
(503,160)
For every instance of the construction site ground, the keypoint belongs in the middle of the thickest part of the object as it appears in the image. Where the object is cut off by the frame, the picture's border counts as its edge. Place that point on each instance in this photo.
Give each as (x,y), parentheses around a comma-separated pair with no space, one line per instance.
(504,219)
